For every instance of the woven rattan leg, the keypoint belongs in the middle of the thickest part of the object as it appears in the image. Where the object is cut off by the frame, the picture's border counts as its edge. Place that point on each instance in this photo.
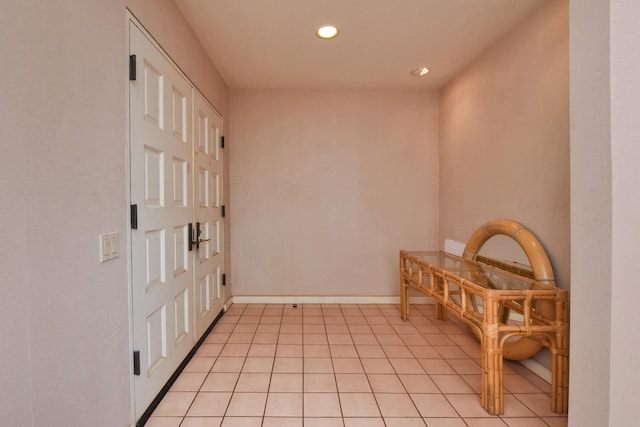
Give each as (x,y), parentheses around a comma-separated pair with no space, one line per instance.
(560,358)
(441,310)
(492,363)
(404,290)
(404,299)
(559,381)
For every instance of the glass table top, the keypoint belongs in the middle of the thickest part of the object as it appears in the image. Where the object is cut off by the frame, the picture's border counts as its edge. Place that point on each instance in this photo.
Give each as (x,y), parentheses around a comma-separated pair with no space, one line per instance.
(482,274)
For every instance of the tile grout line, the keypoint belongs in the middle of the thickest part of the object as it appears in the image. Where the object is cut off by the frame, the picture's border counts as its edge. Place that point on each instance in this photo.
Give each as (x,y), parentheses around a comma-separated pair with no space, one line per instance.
(393,328)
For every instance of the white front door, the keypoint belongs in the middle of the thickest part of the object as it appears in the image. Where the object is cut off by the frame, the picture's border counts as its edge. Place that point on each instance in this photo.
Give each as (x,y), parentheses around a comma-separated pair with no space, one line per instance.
(163,268)
(209,227)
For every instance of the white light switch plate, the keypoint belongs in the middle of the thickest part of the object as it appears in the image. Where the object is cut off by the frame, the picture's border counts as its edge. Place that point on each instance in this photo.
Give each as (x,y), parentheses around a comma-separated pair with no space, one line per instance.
(109,246)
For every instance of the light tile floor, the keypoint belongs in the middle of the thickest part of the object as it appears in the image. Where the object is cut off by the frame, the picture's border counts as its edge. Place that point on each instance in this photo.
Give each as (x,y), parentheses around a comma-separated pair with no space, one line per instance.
(344,365)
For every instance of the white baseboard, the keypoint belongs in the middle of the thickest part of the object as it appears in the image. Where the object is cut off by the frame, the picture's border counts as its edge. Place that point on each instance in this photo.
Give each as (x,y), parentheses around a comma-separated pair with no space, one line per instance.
(538,368)
(227,304)
(257,299)
(454,247)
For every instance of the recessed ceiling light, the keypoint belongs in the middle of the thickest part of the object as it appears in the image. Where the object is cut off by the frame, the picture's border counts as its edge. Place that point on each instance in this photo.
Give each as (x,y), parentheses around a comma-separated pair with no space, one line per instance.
(419,72)
(327,32)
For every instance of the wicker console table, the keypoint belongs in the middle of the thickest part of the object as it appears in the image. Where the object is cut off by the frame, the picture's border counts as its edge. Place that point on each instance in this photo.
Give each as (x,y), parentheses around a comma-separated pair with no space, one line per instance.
(485,297)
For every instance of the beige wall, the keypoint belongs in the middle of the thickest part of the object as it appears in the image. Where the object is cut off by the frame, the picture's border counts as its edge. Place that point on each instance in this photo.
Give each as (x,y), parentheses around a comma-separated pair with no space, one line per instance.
(63,315)
(504,137)
(625,207)
(65,356)
(326,186)
(591,237)
(15,393)
(605,218)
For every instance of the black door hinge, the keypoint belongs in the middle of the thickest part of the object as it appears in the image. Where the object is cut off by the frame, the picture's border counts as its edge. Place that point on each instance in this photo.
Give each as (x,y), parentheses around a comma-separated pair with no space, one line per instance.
(134,217)
(132,67)
(136,362)
(222,141)
(224,279)
(223,211)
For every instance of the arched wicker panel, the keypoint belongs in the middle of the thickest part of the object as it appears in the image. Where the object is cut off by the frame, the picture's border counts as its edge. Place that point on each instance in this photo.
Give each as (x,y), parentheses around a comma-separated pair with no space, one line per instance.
(524,347)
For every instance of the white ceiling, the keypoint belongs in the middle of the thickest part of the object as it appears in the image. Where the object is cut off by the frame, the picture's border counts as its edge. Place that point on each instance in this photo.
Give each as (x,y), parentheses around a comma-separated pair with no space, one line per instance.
(271,44)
